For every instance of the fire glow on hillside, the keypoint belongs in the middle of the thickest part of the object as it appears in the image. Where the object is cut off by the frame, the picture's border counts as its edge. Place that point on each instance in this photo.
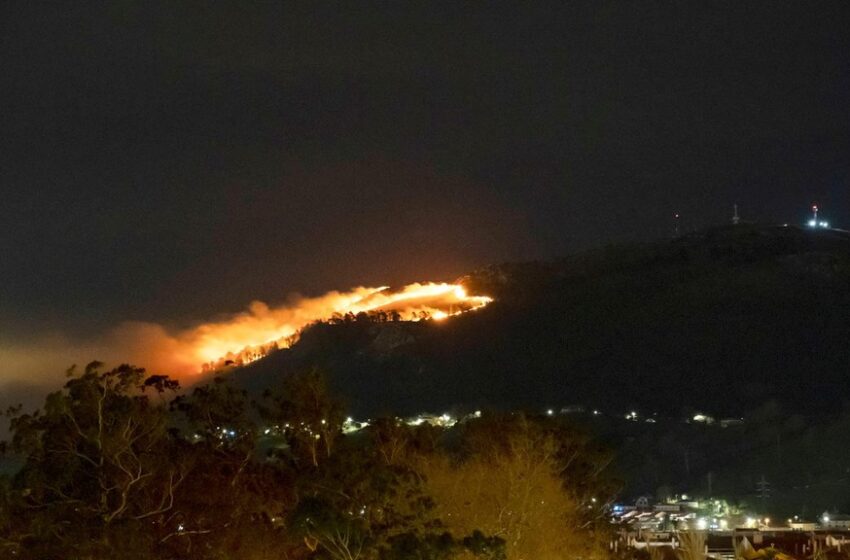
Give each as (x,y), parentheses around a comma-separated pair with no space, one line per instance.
(240,338)
(250,335)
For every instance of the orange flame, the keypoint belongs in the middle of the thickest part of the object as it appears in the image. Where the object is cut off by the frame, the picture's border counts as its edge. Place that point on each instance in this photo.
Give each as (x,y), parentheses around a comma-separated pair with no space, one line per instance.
(242,337)
(250,335)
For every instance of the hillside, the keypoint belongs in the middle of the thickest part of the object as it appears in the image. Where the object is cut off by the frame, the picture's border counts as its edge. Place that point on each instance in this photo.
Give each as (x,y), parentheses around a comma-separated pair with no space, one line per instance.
(745,322)
(719,320)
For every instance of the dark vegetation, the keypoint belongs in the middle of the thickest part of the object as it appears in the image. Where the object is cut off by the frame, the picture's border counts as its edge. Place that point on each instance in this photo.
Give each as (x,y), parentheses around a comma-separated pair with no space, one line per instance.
(737,323)
(116,466)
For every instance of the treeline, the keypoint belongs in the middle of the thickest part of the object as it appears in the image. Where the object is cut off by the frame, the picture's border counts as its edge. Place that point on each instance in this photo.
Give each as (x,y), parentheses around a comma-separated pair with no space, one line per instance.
(117,464)
(253,353)
(378,316)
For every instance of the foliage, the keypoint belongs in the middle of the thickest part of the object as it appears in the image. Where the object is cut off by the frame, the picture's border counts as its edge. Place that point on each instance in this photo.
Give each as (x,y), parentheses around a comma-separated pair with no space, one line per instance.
(117,464)
(99,462)
(307,413)
(515,478)
(691,545)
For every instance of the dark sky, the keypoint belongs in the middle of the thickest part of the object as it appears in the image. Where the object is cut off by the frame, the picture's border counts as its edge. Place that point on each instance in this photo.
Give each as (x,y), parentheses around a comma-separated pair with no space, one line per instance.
(170,160)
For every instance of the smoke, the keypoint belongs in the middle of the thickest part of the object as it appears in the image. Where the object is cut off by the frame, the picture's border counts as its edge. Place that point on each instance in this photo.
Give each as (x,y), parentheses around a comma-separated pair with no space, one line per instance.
(239,337)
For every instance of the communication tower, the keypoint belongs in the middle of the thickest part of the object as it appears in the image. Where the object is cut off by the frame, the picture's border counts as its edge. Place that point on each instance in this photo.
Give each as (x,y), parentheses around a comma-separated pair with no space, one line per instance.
(814,222)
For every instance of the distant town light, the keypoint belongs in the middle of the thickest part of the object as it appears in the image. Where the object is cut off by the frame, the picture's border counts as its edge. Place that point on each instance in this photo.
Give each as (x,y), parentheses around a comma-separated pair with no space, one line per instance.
(812,223)
(550,412)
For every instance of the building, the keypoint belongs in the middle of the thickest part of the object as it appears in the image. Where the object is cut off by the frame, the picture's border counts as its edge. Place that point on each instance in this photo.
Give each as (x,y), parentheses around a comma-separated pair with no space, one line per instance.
(834,521)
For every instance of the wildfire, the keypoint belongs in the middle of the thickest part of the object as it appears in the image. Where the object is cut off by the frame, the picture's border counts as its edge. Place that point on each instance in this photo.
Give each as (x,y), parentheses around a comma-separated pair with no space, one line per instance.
(238,338)
(250,335)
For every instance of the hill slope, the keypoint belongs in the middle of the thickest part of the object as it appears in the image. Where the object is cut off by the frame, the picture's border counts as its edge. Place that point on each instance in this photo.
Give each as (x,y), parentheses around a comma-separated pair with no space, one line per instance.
(717,320)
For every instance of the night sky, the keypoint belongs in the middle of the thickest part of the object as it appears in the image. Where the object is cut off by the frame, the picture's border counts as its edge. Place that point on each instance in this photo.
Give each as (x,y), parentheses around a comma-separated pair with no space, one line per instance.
(170,161)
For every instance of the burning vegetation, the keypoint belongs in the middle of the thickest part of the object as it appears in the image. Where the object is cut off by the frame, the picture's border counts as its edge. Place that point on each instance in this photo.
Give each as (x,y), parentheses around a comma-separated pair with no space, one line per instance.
(238,338)
(251,335)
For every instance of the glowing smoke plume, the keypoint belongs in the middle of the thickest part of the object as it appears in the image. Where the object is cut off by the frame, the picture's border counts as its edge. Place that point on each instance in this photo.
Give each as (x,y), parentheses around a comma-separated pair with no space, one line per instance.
(240,338)
(249,335)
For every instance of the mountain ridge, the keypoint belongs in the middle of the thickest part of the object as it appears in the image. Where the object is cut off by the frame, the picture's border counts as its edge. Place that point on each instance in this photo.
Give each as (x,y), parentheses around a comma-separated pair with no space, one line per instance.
(690,322)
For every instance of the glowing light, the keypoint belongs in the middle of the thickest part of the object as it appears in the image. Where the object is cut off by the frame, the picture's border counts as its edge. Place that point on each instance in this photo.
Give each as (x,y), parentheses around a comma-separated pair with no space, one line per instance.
(812,223)
(249,336)
(701,524)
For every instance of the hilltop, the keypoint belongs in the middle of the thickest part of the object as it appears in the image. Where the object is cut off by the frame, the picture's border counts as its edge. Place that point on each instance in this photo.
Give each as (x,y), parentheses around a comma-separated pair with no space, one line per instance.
(745,324)
(718,320)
